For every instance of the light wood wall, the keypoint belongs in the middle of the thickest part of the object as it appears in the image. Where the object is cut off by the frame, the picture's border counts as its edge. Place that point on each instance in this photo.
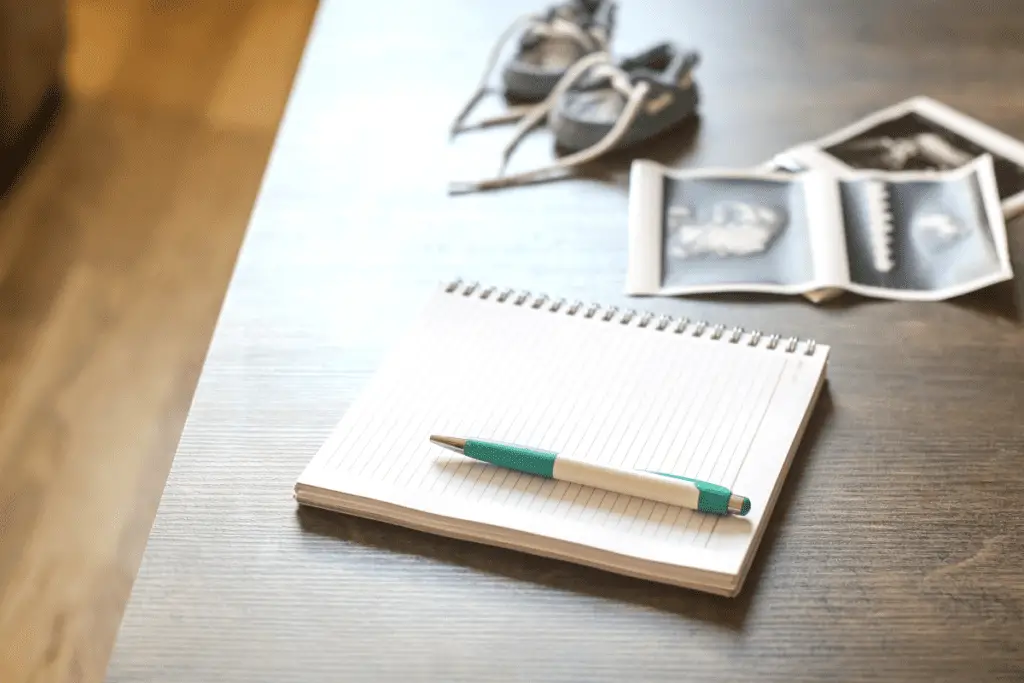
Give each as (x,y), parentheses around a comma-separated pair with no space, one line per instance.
(116,245)
(33,38)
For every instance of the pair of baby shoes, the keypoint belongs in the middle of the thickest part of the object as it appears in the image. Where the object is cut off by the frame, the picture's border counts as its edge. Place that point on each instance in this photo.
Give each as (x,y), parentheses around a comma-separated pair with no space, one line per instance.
(563,72)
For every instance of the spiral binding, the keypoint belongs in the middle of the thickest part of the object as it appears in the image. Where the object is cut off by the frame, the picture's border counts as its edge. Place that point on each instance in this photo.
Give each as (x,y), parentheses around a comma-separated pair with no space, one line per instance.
(661,323)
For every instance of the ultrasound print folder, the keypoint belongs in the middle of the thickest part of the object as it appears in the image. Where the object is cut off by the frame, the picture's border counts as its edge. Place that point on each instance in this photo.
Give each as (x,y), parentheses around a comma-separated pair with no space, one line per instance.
(622,388)
(908,235)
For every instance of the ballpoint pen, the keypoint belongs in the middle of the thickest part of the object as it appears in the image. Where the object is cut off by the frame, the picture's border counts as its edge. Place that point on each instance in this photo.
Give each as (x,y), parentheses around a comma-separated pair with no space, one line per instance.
(672,489)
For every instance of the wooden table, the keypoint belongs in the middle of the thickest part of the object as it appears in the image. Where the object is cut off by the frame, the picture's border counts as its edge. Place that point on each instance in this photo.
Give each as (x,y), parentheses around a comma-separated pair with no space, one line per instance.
(895,552)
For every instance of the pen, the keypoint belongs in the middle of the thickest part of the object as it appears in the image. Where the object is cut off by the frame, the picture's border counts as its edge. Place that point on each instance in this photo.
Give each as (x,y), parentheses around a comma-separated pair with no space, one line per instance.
(672,489)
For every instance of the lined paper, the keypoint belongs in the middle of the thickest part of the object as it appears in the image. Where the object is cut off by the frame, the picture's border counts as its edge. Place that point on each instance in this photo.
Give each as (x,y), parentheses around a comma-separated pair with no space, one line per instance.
(618,394)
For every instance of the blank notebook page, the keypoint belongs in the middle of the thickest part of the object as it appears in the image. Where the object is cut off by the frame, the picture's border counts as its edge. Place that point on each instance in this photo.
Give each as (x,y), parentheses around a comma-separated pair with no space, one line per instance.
(627,394)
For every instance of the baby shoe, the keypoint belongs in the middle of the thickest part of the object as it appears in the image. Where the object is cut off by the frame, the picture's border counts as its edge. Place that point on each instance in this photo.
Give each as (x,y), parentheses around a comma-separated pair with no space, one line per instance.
(549,44)
(600,105)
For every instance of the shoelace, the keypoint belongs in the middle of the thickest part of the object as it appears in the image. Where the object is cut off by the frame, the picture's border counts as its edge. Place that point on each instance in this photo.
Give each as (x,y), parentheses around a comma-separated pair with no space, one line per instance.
(541,26)
(598,65)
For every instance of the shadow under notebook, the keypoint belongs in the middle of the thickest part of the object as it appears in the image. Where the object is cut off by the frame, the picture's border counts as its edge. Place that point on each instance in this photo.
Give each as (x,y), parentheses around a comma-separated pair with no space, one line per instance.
(730,613)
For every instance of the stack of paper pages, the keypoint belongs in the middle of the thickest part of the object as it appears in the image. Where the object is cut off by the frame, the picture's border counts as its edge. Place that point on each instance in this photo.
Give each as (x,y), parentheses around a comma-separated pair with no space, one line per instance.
(621,388)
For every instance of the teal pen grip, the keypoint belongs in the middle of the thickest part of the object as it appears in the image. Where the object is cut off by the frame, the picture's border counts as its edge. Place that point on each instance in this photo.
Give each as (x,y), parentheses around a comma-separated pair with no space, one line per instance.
(713,498)
(513,457)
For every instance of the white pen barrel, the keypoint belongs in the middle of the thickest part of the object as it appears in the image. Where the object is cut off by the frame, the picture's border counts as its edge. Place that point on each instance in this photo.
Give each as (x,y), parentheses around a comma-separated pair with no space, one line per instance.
(629,482)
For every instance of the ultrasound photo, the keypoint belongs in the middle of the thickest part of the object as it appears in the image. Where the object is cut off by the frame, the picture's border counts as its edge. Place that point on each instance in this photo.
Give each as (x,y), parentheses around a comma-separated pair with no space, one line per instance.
(907,235)
(912,142)
(932,236)
(728,231)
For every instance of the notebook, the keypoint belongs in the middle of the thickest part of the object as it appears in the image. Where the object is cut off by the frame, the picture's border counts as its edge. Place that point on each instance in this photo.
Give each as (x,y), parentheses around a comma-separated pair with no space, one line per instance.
(619,387)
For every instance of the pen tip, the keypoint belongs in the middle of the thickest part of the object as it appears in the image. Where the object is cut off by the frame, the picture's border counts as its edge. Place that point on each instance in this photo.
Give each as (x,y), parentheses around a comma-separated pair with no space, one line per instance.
(449,442)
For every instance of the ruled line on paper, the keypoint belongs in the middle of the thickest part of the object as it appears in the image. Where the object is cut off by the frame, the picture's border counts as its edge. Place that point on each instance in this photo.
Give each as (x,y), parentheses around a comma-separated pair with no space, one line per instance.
(753,412)
(706,466)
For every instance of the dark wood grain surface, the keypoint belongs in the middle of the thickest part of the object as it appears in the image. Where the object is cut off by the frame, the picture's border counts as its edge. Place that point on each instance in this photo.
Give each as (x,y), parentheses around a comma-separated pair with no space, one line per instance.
(895,552)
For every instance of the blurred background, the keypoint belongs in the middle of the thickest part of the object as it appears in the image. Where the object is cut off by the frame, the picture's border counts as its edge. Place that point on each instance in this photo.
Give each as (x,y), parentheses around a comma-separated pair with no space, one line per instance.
(133,136)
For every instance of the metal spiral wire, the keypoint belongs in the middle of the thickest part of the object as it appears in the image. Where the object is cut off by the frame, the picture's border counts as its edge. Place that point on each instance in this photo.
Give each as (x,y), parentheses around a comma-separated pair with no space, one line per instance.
(661,323)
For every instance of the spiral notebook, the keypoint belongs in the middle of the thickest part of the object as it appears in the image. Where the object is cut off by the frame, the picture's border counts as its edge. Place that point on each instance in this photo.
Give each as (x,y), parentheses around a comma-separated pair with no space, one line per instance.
(622,388)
